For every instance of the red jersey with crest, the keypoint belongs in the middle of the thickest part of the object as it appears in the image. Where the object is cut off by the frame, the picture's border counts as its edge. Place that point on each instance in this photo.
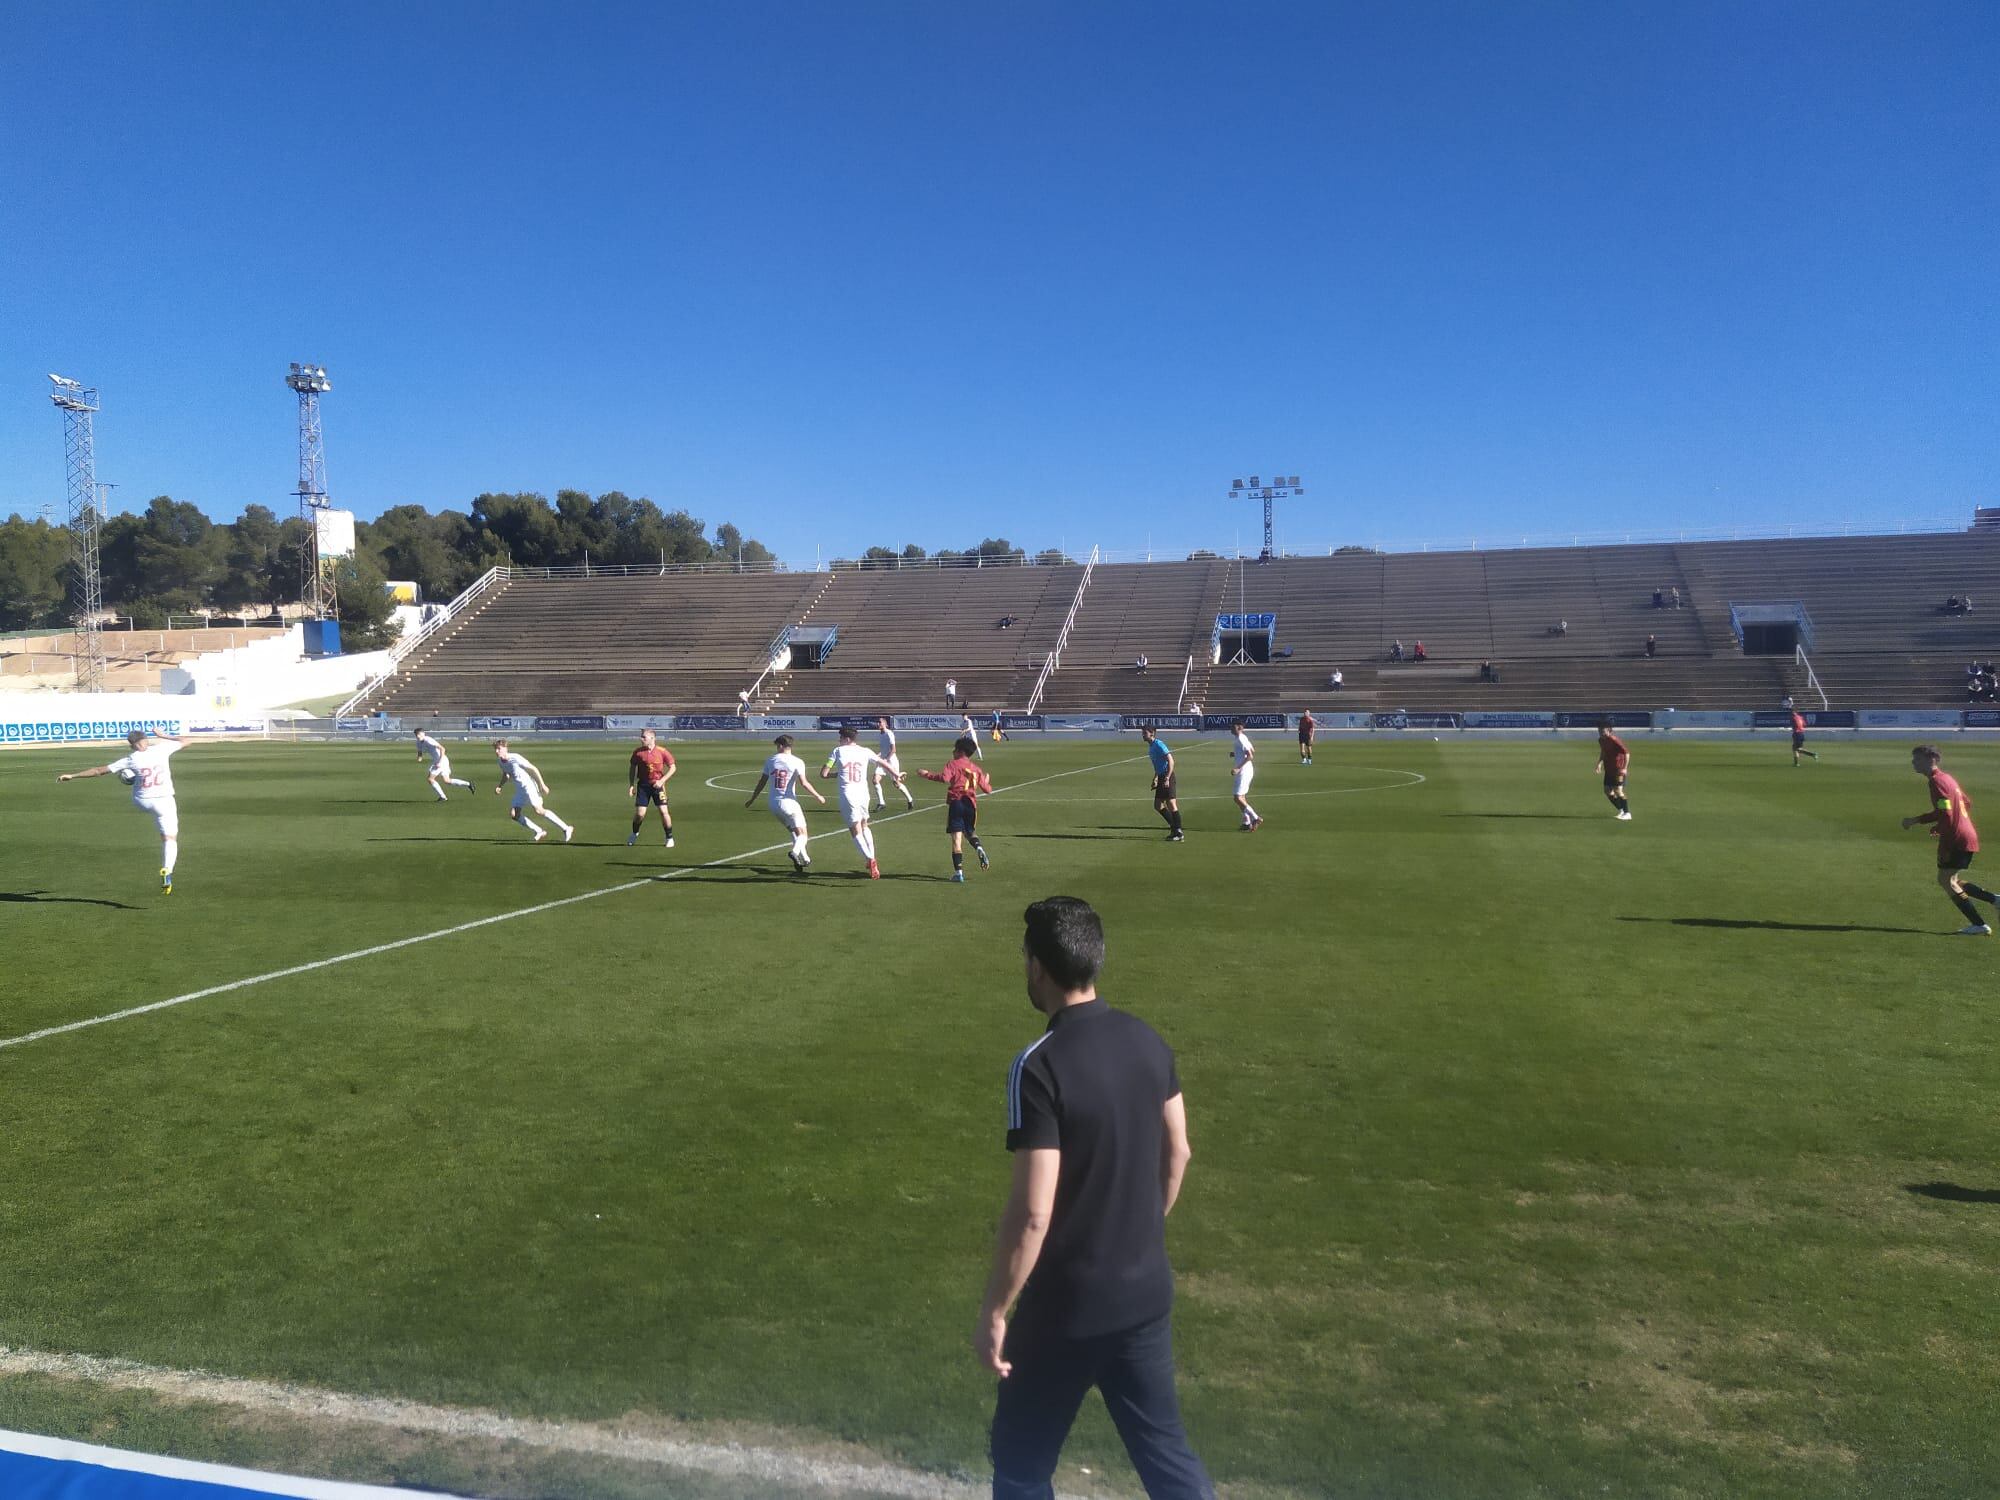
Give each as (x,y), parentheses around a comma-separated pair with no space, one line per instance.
(963,780)
(1950,816)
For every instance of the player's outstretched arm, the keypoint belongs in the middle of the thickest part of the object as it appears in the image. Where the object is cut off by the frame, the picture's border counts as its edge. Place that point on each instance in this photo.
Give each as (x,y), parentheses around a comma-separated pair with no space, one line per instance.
(816,796)
(756,791)
(84,775)
(932,775)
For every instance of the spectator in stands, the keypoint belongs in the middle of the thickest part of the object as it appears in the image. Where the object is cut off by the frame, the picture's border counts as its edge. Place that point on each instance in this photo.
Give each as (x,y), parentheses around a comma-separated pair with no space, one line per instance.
(1418,653)
(1396,651)
(1007,622)
(1659,598)
(1141,664)
(743,702)
(1195,709)
(1333,680)
(951,692)
(1652,646)
(1561,627)
(1486,670)
(1674,596)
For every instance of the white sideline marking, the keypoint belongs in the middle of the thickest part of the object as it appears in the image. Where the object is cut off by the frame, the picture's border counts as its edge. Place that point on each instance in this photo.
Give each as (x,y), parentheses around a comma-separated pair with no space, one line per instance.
(479,922)
(602,1440)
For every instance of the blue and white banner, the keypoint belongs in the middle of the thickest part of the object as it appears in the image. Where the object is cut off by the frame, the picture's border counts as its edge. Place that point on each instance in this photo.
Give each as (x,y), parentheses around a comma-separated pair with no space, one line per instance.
(638,721)
(1250,721)
(1910,718)
(928,723)
(240,725)
(504,723)
(1254,621)
(1082,721)
(711,721)
(1488,719)
(789,723)
(41,1468)
(1400,720)
(356,725)
(569,721)
(83,731)
(1017,721)
(1619,719)
(1158,721)
(1703,718)
(1816,718)
(1982,718)
(864,721)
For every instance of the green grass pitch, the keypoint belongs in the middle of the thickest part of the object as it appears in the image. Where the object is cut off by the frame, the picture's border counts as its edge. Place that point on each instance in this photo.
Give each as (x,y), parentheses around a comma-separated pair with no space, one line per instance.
(1535,1153)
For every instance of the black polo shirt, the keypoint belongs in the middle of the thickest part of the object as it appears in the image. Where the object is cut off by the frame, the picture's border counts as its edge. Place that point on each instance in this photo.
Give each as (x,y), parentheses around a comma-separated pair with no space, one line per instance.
(1093,1086)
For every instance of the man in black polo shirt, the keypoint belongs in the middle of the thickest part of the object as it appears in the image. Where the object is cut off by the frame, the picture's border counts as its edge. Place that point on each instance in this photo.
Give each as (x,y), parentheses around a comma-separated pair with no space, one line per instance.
(1099,1136)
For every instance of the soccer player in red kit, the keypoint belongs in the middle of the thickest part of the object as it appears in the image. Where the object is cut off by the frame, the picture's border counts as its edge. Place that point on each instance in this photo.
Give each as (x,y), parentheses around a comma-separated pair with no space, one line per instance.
(652,769)
(1950,818)
(963,782)
(1612,758)
(1799,738)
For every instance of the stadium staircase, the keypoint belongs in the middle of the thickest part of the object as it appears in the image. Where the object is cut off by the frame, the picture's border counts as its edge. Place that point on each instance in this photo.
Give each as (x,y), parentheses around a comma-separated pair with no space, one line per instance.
(1161,610)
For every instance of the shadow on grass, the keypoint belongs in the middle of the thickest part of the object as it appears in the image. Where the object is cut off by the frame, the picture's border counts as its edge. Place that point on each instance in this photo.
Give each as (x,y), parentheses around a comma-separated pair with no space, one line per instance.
(39,898)
(1129,833)
(1746,924)
(1951,1192)
(1538,817)
(464,838)
(760,874)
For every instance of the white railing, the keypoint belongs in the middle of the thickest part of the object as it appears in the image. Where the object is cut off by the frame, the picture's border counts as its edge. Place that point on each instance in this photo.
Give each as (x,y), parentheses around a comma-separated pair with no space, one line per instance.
(405,644)
(1054,661)
(1187,676)
(1812,677)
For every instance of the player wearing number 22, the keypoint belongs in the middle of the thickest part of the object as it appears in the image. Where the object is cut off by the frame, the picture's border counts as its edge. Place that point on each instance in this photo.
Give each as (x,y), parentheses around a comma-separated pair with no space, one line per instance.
(152,782)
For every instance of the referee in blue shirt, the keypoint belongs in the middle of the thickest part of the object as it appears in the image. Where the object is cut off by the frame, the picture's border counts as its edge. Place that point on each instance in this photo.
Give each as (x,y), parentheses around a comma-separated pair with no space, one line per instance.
(1099,1135)
(1166,793)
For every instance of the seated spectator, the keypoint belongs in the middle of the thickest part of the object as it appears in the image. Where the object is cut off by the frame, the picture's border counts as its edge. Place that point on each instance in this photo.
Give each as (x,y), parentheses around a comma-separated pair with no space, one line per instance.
(1418,653)
(1659,598)
(1333,679)
(1141,664)
(1283,653)
(1561,627)
(1652,645)
(1007,622)
(1396,651)
(1965,604)
(1674,596)
(1486,670)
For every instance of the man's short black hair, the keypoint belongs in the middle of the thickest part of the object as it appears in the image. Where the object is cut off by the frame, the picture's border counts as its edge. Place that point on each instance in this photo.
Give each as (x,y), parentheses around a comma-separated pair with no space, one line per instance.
(783,742)
(965,746)
(1067,939)
(846,732)
(1929,753)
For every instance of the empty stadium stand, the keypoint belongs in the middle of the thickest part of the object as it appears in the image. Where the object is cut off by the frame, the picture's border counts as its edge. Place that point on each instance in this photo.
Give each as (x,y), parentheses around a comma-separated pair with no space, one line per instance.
(1879,632)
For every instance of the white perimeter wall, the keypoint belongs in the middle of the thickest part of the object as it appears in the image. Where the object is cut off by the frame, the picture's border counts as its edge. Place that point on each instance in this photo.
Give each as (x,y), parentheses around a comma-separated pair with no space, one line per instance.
(269,673)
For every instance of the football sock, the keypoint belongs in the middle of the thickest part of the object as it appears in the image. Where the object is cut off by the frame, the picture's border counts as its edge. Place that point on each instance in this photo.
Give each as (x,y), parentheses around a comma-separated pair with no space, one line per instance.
(861,844)
(638,821)
(456,782)
(908,796)
(799,846)
(668,833)
(1250,813)
(557,821)
(869,834)
(169,852)
(1174,820)
(1971,911)
(1980,892)
(438,792)
(957,859)
(973,839)
(531,825)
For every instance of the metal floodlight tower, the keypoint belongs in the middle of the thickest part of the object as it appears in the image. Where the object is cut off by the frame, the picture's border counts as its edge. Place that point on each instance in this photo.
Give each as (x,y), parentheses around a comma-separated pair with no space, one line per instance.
(318,589)
(1278,489)
(86,520)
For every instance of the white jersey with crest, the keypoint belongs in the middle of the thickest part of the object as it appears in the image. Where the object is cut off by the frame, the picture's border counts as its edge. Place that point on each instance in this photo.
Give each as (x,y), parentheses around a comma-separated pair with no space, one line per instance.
(785,771)
(851,763)
(521,772)
(153,778)
(885,745)
(1240,753)
(432,748)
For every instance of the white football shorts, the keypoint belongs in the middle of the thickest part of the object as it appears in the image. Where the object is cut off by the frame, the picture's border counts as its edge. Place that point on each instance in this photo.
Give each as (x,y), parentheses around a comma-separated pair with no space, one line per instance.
(524,797)
(1245,774)
(442,769)
(787,811)
(166,815)
(853,805)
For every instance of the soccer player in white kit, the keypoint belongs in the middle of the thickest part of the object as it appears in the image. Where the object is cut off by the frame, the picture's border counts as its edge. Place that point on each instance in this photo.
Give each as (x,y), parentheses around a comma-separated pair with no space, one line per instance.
(1243,760)
(885,746)
(530,787)
(152,782)
(968,730)
(439,774)
(786,773)
(851,763)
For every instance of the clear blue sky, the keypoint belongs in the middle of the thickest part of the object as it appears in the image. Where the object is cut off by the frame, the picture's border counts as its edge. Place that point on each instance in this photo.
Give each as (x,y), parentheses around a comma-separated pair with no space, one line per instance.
(1047,269)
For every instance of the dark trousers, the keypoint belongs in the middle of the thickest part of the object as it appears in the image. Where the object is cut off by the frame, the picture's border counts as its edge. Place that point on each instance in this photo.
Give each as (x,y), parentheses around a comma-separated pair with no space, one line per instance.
(1133,1369)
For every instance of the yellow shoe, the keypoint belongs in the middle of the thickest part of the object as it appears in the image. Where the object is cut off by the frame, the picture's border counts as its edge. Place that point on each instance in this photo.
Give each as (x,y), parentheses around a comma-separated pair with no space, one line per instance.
(166,881)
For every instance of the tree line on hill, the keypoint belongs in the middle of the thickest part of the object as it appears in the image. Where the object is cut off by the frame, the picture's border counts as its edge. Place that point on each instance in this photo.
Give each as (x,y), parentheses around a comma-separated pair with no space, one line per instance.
(171,559)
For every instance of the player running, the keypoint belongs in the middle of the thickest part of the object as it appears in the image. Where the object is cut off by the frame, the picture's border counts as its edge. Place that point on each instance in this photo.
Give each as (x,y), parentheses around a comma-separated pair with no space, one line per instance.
(530,787)
(1166,791)
(650,770)
(1612,759)
(1799,738)
(431,749)
(1308,728)
(891,768)
(1950,819)
(968,731)
(152,782)
(963,782)
(786,773)
(852,763)
(1243,770)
